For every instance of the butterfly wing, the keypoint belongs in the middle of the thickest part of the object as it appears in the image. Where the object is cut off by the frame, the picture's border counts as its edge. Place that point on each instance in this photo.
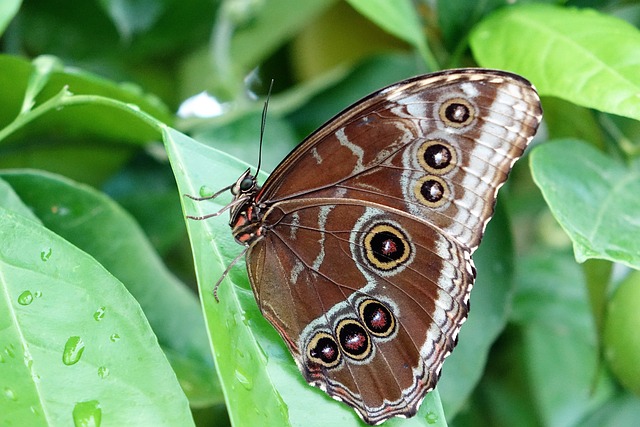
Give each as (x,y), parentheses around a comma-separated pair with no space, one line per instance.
(363,263)
(437,146)
(368,299)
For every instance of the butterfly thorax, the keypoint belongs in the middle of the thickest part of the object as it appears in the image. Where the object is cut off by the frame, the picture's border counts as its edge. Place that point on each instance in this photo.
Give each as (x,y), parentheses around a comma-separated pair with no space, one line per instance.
(245,222)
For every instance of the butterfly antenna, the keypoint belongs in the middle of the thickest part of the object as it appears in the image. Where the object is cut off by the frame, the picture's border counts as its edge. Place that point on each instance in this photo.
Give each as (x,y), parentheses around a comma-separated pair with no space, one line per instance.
(263,125)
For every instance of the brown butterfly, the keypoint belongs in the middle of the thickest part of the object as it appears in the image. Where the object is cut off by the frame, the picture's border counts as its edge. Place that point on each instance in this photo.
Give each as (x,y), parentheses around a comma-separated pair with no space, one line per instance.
(358,246)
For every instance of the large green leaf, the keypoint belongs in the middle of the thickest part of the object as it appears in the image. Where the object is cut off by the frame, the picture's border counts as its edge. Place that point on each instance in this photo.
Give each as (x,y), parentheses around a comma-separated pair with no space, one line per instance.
(261,382)
(552,308)
(580,55)
(593,197)
(98,226)
(76,347)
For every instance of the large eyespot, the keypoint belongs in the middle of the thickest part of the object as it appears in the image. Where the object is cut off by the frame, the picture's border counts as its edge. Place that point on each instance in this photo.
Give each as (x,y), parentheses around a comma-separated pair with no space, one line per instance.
(377,318)
(456,112)
(437,156)
(386,247)
(354,339)
(432,191)
(323,350)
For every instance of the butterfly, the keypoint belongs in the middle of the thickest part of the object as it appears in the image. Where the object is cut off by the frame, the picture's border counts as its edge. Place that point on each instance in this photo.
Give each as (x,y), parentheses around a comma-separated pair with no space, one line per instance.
(358,246)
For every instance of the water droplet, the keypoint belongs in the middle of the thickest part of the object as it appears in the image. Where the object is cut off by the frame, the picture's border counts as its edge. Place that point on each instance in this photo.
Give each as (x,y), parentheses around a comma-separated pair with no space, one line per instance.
(205,191)
(134,107)
(10,351)
(99,314)
(245,381)
(37,294)
(46,254)
(10,394)
(103,372)
(114,337)
(72,351)
(25,298)
(87,414)
(28,360)
(431,417)
(34,411)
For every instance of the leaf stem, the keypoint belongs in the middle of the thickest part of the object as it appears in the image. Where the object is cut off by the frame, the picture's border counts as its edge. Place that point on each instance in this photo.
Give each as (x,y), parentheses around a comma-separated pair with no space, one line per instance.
(65,98)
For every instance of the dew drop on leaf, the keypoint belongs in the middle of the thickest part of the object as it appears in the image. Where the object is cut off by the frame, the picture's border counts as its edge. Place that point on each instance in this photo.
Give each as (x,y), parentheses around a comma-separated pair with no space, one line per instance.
(25,298)
(99,314)
(205,191)
(9,394)
(114,337)
(46,254)
(244,380)
(87,414)
(73,349)
(103,372)
(10,351)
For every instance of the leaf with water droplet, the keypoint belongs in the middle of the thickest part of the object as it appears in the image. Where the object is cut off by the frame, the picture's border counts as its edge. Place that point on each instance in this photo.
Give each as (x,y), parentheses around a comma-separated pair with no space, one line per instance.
(25,298)
(244,380)
(114,337)
(99,314)
(73,349)
(46,254)
(73,286)
(103,372)
(87,414)
(9,394)
(10,351)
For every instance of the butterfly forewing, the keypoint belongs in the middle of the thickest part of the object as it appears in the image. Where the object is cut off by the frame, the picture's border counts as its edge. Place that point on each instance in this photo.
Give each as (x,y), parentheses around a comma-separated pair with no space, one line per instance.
(360,241)
(389,147)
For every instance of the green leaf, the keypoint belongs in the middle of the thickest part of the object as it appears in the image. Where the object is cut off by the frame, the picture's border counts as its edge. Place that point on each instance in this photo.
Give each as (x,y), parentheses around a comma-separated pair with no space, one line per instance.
(246,32)
(397,17)
(79,134)
(131,120)
(579,55)
(9,200)
(560,345)
(98,226)
(261,382)
(8,10)
(75,344)
(622,411)
(593,197)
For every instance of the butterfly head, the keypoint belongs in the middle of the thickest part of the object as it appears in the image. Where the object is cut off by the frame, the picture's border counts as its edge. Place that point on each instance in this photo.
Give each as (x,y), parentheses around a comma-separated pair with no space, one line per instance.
(245,185)
(245,214)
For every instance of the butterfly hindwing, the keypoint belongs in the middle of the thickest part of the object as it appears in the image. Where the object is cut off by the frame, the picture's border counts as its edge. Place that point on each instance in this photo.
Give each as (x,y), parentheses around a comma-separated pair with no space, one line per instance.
(374,328)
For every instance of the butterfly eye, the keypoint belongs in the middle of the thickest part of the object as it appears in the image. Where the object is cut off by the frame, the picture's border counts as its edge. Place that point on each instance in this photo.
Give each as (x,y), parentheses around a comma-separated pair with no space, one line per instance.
(247,184)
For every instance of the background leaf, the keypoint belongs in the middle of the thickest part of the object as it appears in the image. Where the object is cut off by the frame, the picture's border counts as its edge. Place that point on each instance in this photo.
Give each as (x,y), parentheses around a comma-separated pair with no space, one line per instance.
(103,339)
(579,55)
(593,198)
(84,217)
